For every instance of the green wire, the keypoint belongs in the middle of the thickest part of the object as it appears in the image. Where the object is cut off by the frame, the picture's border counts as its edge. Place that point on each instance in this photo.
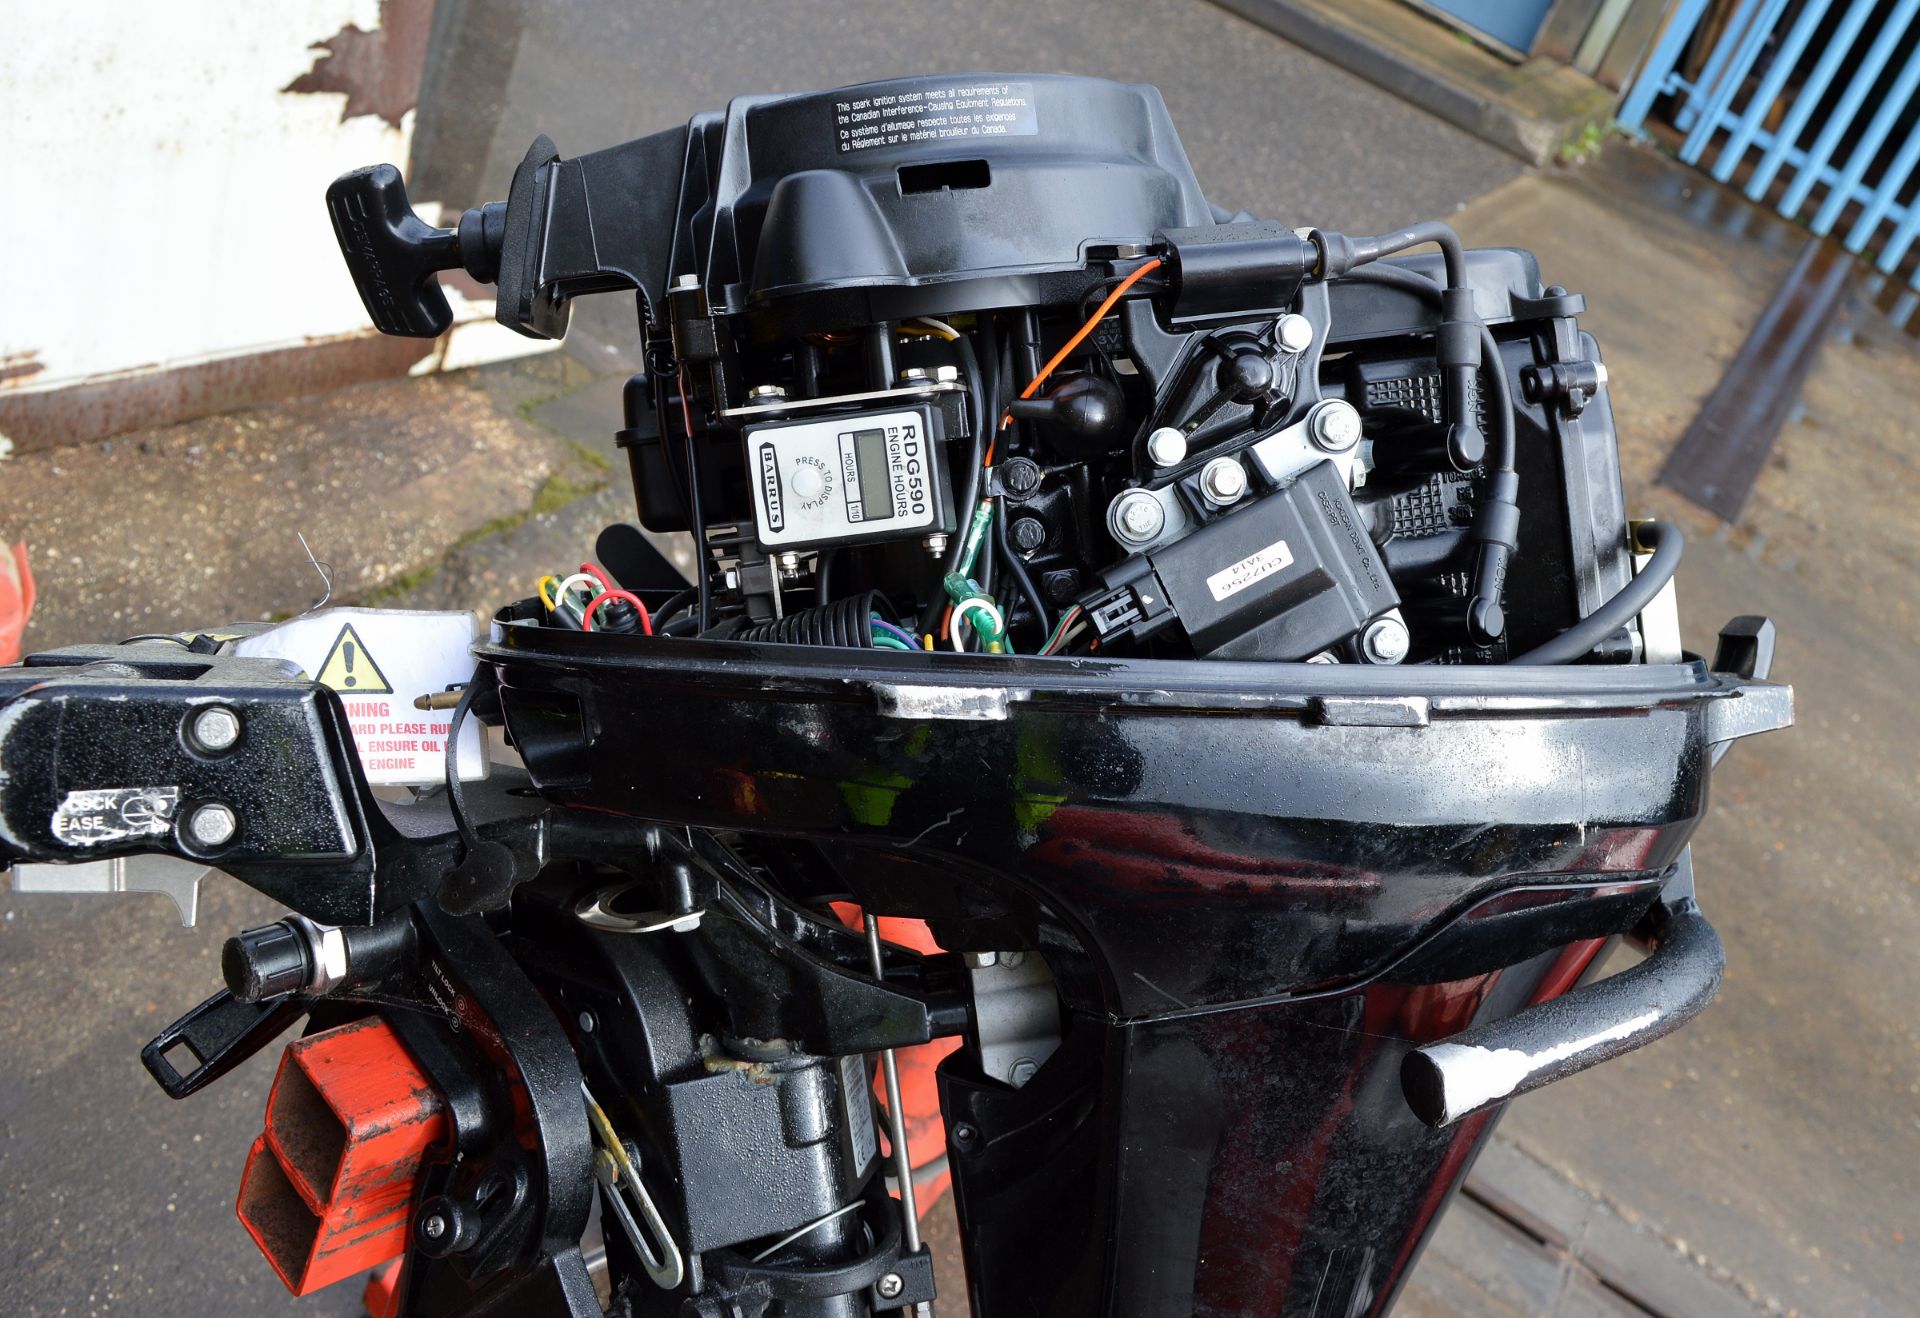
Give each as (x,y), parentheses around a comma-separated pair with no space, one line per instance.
(976,536)
(890,643)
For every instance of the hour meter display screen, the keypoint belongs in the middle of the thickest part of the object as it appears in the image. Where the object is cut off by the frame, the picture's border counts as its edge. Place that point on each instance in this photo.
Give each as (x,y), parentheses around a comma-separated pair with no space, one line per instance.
(876,482)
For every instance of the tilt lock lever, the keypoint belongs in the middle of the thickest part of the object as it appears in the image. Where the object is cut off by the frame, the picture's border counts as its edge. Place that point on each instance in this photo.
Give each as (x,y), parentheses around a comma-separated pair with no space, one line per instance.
(394,255)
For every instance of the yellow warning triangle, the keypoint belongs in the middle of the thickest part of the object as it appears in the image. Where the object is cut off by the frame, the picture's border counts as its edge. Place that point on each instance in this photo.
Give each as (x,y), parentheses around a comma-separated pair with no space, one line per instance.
(350,670)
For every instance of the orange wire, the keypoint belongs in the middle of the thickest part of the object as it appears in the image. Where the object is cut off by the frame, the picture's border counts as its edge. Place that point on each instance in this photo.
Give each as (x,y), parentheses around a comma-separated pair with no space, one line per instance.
(1066,349)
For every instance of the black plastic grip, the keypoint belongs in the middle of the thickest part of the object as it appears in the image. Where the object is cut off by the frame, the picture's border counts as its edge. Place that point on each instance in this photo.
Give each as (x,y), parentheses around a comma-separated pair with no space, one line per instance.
(392,253)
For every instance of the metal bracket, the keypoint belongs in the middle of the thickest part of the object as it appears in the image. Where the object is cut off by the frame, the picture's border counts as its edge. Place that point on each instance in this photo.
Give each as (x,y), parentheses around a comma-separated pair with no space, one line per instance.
(178,879)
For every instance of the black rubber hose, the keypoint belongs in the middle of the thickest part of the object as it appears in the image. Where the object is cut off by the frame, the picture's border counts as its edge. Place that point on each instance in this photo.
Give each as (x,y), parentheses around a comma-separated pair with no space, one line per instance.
(845,622)
(675,602)
(1418,235)
(1573,643)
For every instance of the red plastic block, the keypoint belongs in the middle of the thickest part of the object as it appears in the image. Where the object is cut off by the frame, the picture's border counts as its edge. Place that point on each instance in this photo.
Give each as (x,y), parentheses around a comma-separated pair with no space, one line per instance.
(327,1187)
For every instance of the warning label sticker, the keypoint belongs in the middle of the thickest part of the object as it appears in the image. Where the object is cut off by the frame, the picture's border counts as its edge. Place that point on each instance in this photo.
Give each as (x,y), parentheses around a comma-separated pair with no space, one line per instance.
(380,661)
(950,113)
(349,668)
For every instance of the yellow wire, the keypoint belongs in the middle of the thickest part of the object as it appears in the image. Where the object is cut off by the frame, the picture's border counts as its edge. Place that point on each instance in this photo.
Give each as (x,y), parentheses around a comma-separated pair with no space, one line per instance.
(545,598)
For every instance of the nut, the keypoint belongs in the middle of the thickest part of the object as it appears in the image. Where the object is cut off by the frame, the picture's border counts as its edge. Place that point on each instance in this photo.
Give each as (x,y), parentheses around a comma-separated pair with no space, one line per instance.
(1294,333)
(761,393)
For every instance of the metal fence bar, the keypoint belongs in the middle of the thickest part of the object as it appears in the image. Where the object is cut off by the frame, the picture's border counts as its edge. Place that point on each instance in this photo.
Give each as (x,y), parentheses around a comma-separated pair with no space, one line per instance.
(1713,115)
(1828,175)
(1862,80)
(1717,61)
(1875,206)
(1770,87)
(1809,98)
(1657,76)
(1899,240)
(1868,147)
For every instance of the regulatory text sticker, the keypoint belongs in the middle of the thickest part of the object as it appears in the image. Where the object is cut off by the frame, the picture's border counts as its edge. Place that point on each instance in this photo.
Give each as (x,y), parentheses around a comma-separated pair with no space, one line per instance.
(380,661)
(1255,566)
(858,1098)
(949,113)
(114,814)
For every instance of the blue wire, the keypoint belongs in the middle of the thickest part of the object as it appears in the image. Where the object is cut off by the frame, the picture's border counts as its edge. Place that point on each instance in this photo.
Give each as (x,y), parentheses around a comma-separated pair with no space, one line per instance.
(900,632)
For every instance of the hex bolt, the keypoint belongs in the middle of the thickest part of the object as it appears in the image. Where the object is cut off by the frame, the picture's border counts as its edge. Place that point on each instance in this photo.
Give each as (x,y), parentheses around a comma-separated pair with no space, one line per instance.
(1028,534)
(1335,426)
(1385,641)
(213,825)
(946,374)
(1167,446)
(1022,1071)
(916,375)
(682,283)
(890,1286)
(1223,481)
(936,544)
(215,728)
(1294,333)
(1138,517)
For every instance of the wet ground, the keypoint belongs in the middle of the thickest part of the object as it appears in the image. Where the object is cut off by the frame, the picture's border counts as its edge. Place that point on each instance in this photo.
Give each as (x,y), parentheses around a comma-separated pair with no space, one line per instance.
(1769,1149)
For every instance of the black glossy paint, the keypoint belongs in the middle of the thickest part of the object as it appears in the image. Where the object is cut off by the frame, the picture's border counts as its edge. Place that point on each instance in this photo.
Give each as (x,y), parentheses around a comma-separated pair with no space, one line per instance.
(1258,887)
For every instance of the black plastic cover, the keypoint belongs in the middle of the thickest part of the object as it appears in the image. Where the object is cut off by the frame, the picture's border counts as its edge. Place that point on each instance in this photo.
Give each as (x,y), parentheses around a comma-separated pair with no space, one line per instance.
(1284,578)
(915,196)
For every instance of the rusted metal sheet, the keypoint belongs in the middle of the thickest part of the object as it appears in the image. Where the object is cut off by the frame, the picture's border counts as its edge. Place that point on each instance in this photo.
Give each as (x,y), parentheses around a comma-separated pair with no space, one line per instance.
(379,71)
(95,409)
(1726,447)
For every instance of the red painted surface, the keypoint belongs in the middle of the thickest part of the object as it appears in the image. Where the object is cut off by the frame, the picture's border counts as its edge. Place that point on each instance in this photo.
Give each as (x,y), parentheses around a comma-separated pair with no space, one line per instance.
(16,600)
(328,1186)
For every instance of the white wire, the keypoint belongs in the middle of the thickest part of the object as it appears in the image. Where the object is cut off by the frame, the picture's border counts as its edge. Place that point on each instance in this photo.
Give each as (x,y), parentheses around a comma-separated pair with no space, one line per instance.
(586,578)
(939,327)
(986,606)
(789,1238)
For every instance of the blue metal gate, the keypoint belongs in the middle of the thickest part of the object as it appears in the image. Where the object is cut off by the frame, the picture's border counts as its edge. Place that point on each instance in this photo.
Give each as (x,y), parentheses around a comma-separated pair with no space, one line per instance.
(1841,73)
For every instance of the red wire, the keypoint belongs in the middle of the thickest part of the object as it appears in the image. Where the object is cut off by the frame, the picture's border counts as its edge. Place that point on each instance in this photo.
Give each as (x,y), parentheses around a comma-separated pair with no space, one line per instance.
(597,575)
(646,619)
